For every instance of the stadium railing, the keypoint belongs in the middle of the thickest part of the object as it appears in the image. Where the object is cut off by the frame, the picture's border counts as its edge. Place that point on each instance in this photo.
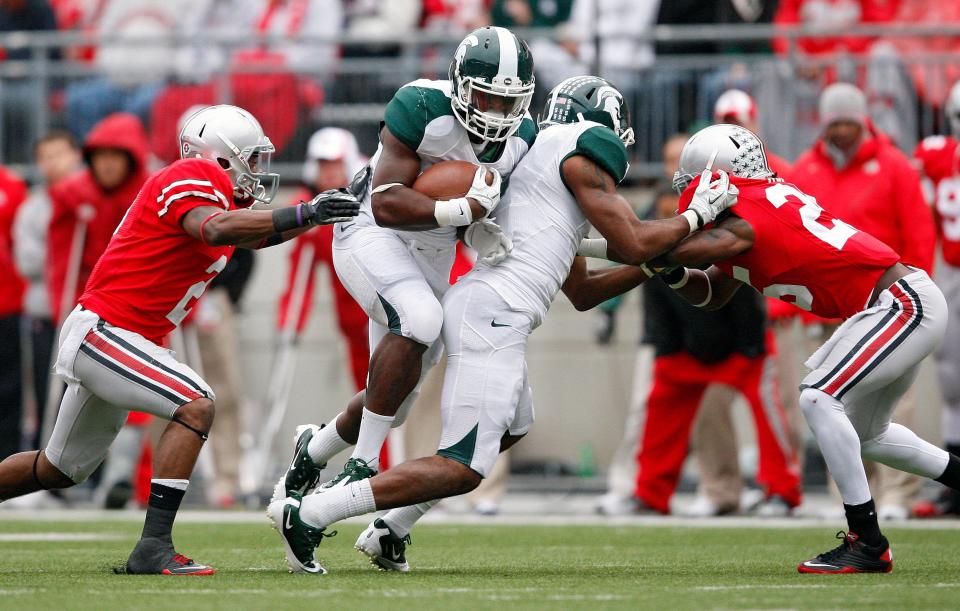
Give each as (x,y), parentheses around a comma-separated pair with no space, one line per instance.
(904,82)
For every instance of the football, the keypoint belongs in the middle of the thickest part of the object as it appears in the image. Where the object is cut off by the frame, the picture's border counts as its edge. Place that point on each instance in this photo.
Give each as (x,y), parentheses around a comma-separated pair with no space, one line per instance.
(448,179)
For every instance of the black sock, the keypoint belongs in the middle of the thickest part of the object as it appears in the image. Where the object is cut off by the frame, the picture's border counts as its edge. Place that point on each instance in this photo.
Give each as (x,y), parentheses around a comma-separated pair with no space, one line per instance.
(161,511)
(951,475)
(862,520)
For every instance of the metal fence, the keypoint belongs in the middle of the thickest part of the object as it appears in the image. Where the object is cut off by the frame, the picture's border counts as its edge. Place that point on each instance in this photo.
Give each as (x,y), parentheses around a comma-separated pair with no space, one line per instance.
(675,93)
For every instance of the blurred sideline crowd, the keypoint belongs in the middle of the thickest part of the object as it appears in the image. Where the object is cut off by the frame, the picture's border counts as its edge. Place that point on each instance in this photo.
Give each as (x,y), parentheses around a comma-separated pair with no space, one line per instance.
(859,147)
(289,60)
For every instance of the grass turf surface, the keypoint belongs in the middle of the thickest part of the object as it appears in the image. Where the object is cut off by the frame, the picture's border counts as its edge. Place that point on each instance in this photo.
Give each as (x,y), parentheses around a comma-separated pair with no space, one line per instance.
(461,567)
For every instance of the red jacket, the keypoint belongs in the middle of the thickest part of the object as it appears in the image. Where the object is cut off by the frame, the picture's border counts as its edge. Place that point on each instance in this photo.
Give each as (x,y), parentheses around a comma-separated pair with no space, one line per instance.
(12,193)
(80,195)
(878,192)
(832,13)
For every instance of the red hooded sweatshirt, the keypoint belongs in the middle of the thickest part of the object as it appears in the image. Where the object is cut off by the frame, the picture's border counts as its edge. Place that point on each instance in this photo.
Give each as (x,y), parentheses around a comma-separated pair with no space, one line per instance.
(81,196)
(878,191)
(12,193)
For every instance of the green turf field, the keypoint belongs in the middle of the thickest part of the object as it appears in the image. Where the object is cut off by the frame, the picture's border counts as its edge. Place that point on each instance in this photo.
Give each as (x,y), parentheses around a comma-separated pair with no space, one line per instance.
(462,567)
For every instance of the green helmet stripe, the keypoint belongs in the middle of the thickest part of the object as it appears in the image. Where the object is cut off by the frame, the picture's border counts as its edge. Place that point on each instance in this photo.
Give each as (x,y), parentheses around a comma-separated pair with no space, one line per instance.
(508,52)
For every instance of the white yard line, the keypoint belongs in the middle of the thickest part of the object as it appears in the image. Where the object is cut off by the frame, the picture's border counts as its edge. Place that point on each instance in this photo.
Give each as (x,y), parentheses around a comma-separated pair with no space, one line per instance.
(58,536)
(466,519)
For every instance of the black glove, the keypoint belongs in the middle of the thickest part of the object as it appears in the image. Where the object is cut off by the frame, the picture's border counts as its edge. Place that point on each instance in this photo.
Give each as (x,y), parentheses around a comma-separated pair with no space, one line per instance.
(333,206)
(329,207)
(361,183)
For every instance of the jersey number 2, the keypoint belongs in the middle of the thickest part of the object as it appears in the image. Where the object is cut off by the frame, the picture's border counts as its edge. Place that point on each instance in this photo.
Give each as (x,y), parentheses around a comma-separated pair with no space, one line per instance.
(810,211)
(178,313)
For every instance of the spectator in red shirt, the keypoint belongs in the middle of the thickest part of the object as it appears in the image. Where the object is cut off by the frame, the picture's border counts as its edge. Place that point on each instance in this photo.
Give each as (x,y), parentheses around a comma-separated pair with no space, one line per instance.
(116,157)
(12,193)
(858,175)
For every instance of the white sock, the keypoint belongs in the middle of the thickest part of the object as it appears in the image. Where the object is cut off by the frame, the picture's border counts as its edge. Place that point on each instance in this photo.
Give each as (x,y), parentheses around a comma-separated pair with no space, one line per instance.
(322,510)
(839,444)
(374,429)
(402,519)
(176,484)
(327,443)
(900,448)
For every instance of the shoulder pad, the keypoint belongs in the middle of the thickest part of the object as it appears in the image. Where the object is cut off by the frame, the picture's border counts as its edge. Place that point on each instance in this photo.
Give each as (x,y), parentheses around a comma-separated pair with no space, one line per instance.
(411,109)
(603,147)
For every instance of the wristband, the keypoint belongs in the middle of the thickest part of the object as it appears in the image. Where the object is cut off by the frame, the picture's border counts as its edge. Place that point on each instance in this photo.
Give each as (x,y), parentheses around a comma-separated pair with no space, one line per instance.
(455,212)
(709,294)
(290,217)
(677,283)
(649,272)
(203,224)
(595,248)
(694,218)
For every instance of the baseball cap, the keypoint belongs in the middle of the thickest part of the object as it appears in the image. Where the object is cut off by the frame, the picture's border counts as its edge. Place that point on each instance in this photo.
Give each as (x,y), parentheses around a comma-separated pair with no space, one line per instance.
(734,106)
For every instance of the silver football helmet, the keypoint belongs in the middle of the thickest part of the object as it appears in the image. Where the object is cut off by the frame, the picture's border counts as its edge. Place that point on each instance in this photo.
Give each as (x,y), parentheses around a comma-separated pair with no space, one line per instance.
(233,138)
(952,109)
(734,149)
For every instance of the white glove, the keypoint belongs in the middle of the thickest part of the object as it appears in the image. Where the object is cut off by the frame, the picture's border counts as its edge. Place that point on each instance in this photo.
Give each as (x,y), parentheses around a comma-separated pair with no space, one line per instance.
(486,195)
(489,240)
(712,198)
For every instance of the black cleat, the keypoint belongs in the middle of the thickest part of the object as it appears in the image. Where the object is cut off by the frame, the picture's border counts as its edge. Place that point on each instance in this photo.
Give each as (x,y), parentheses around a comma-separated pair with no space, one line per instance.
(851,556)
(154,556)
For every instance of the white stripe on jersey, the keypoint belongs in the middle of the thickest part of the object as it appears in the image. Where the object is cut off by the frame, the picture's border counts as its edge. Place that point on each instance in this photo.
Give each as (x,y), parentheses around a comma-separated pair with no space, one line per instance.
(180,183)
(214,198)
(508,53)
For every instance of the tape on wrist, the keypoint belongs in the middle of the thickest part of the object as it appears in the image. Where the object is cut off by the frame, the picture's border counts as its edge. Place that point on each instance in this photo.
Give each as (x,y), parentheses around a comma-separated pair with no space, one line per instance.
(682,282)
(696,222)
(455,212)
(595,248)
(287,218)
(649,272)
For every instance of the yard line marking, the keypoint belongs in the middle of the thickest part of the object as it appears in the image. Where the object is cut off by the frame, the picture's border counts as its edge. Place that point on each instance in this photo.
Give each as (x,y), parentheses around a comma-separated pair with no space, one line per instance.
(54,536)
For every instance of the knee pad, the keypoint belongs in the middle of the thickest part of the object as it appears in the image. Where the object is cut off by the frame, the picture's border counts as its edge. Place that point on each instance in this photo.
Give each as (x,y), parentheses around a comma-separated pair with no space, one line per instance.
(420,320)
(813,401)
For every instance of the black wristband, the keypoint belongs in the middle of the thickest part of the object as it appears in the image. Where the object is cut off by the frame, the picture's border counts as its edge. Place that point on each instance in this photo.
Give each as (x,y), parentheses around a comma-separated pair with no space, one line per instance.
(673,276)
(291,217)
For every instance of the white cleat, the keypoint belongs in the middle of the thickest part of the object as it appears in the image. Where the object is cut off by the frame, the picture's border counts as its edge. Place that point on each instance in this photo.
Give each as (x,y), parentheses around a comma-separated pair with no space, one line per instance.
(385,549)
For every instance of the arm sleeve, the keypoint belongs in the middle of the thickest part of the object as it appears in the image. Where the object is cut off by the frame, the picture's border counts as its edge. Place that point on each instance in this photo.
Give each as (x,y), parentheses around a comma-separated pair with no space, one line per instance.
(191,184)
(916,219)
(603,147)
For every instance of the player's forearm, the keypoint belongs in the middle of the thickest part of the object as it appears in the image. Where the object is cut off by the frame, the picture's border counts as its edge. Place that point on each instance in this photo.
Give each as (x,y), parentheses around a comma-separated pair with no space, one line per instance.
(597,286)
(644,240)
(706,290)
(275,239)
(401,207)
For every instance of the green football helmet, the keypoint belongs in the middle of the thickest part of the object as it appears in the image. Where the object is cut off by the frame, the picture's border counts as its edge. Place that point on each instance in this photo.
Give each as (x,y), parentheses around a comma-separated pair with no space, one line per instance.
(491,80)
(588,98)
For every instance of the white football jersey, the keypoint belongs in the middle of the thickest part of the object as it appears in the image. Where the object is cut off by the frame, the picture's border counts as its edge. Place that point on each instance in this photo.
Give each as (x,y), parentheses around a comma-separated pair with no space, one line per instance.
(420,116)
(543,218)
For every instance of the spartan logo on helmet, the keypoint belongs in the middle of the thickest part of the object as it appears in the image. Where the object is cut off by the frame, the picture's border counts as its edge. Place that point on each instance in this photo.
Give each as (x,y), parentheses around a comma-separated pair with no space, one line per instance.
(491,82)
(588,98)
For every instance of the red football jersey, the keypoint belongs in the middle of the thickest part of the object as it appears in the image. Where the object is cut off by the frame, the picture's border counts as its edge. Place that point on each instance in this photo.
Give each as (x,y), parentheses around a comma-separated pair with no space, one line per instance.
(152,271)
(801,254)
(939,161)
